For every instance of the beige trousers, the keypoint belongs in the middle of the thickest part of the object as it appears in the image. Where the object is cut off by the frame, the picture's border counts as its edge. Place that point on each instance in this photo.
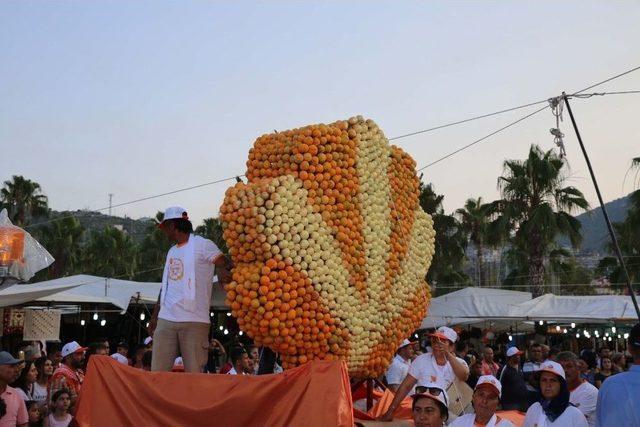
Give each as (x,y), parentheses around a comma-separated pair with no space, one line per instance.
(187,339)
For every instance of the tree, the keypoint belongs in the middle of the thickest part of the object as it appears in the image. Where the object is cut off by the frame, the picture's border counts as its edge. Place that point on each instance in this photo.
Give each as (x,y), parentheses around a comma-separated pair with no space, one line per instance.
(535,208)
(450,244)
(152,252)
(474,220)
(110,253)
(23,200)
(574,278)
(62,238)
(212,229)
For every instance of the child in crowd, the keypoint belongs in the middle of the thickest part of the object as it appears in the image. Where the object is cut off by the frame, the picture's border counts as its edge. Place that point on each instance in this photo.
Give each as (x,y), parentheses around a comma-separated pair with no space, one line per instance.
(59,416)
(33,409)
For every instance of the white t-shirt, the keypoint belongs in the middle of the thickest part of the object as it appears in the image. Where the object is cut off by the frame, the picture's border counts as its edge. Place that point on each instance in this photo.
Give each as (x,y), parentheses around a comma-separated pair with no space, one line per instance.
(120,358)
(206,253)
(39,393)
(585,398)
(426,370)
(397,370)
(571,417)
(468,420)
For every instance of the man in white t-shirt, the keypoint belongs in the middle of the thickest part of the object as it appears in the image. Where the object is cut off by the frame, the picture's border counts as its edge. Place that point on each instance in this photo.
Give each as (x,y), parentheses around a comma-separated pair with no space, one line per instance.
(486,397)
(399,367)
(180,321)
(583,395)
(442,366)
(241,362)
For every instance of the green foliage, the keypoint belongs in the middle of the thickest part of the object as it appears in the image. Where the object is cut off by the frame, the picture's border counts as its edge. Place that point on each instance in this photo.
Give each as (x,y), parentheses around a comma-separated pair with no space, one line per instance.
(152,252)
(212,229)
(23,200)
(535,208)
(475,217)
(110,253)
(62,238)
(450,244)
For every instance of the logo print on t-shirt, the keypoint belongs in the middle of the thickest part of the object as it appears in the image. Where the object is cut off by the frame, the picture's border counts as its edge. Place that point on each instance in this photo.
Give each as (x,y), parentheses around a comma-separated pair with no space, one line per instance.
(176,269)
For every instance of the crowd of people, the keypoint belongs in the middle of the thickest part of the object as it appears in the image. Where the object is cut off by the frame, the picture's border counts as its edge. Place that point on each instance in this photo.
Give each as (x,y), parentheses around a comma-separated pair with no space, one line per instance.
(552,387)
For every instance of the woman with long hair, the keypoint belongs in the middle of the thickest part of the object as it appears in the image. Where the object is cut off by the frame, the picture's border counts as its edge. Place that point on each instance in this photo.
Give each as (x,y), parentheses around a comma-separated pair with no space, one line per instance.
(44,365)
(554,408)
(26,380)
(606,370)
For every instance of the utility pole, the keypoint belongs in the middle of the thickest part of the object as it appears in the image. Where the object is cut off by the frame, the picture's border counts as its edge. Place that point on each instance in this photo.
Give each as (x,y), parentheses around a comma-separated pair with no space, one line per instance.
(110,202)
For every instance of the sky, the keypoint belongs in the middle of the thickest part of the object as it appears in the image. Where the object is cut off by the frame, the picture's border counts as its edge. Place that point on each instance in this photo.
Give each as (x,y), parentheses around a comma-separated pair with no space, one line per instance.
(146,97)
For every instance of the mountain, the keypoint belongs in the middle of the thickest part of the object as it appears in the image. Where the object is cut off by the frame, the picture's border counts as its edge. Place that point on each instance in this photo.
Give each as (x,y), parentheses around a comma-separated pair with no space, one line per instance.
(595,236)
(96,221)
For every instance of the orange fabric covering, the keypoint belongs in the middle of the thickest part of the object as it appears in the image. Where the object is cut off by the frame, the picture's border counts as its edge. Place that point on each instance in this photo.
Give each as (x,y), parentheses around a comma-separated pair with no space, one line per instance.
(315,394)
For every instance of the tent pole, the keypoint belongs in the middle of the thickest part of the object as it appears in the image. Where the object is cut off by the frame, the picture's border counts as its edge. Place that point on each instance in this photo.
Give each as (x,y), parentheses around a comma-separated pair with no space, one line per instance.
(614,239)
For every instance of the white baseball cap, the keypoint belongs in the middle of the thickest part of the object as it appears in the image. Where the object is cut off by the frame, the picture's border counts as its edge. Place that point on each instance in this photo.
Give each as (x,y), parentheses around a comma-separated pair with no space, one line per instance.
(445,333)
(120,358)
(512,351)
(433,391)
(72,347)
(174,212)
(147,340)
(490,381)
(553,367)
(404,343)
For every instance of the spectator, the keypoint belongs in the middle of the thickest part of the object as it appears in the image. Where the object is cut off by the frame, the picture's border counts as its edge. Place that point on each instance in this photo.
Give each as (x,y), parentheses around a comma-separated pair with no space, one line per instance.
(486,398)
(24,384)
(553,354)
(606,370)
(254,354)
(588,355)
(121,353)
(475,372)
(489,366)
(529,369)
(429,407)
(441,366)
(545,352)
(462,350)
(618,397)
(137,356)
(33,411)
(240,362)
(604,352)
(583,395)
(619,362)
(45,371)
(96,348)
(399,365)
(146,360)
(13,411)
(180,320)
(554,408)
(514,387)
(59,416)
(586,373)
(55,354)
(218,355)
(69,375)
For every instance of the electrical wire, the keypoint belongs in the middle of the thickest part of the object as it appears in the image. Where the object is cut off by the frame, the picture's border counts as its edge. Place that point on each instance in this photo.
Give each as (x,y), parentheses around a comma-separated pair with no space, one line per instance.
(606,80)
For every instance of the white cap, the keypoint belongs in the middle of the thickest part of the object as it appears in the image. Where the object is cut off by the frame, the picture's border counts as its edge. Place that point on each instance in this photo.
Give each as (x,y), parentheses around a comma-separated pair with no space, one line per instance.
(446,333)
(441,397)
(175,212)
(72,347)
(404,343)
(147,340)
(120,358)
(553,367)
(512,351)
(490,381)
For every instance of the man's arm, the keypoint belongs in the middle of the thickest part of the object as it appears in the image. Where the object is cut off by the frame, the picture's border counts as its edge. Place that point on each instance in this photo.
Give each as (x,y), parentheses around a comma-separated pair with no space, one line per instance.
(460,369)
(401,393)
(153,322)
(223,265)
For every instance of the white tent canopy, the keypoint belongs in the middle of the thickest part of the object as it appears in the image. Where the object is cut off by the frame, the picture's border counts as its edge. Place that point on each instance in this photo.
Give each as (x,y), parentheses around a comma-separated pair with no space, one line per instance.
(472,305)
(20,294)
(587,309)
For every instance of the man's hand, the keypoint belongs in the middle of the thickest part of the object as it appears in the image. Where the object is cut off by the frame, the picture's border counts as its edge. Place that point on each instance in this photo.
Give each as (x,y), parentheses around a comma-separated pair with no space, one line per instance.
(152,326)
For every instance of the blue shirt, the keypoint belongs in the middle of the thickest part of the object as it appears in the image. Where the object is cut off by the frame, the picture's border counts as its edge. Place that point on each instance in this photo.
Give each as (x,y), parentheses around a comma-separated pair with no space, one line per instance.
(618,400)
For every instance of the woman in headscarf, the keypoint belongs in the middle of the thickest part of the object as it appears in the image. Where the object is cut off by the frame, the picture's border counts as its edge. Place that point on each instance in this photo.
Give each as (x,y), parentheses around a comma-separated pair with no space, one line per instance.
(554,408)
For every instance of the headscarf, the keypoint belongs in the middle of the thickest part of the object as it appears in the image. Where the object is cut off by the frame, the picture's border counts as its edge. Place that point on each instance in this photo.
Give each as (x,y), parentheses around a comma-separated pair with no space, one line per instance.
(555,407)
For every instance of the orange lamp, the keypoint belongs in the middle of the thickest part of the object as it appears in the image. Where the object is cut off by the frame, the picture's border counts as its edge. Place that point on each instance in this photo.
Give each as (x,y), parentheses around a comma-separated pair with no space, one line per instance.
(11,245)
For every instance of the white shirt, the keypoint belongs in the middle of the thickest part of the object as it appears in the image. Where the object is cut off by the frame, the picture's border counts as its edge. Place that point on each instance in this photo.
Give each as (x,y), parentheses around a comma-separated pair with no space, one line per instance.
(585,398)
(206,253)
(426,370)
(233,371)
(39,393)
(468,420)
(120,358)
(571,417)
(397,370)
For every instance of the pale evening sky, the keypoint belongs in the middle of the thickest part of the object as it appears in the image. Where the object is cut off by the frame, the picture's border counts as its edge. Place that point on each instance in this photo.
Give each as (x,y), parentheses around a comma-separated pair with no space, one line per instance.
(139,98)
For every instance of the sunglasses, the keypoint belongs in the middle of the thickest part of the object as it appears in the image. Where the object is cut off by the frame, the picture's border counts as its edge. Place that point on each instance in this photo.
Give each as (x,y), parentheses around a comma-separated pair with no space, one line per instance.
(433,391)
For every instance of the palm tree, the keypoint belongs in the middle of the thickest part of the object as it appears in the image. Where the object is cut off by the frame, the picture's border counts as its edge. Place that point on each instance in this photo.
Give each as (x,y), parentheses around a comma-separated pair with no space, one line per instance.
(474,219)
(23,200)
(110,253)
(212,229)
(536,207)
(450,244)
(62,238)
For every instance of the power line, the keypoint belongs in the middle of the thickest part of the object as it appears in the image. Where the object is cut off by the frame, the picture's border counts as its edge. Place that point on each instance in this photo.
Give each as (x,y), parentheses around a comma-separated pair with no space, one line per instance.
(477,141)
(606,80)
